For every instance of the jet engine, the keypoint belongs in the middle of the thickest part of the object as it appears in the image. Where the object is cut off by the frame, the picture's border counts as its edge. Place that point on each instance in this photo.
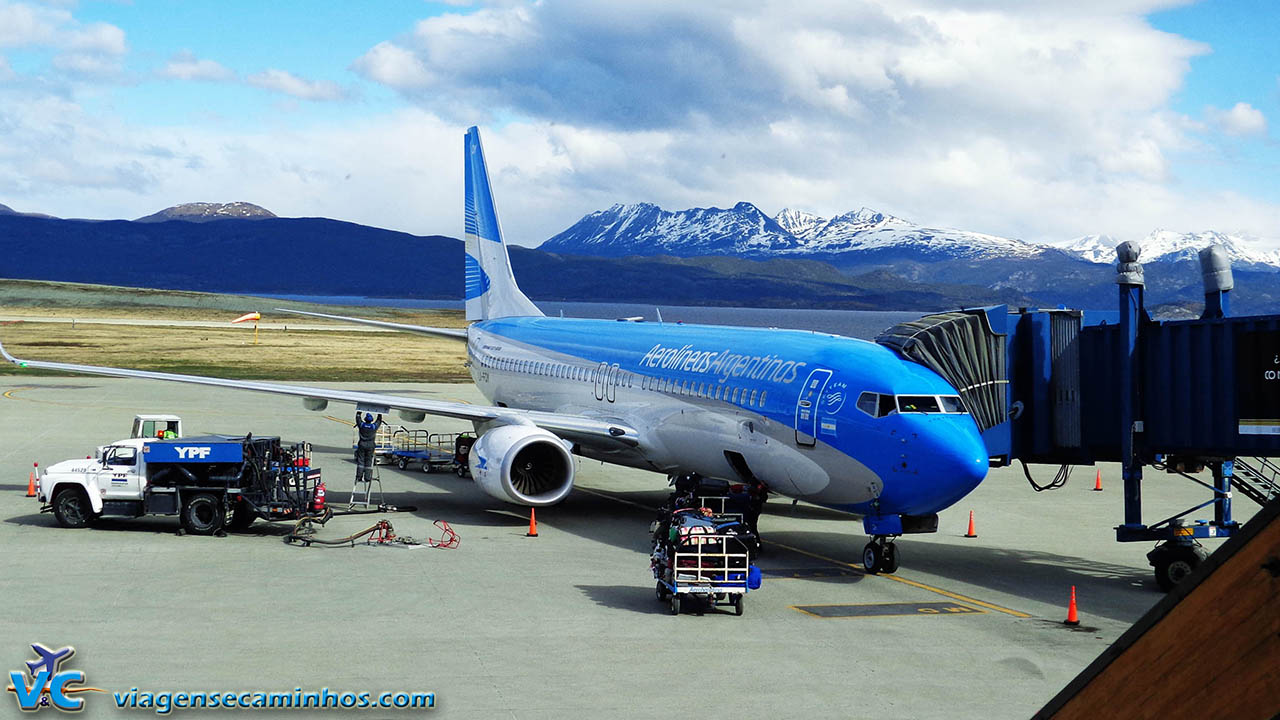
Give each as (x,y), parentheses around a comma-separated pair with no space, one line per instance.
(522,464)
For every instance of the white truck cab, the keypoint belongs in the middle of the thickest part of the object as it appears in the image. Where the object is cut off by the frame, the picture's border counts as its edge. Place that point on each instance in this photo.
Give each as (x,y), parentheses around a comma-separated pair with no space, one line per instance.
(118,474)
(156,426)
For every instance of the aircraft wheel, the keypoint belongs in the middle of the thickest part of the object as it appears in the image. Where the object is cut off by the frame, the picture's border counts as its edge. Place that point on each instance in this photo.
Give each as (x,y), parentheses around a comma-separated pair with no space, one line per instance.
(872,557)
(889,563)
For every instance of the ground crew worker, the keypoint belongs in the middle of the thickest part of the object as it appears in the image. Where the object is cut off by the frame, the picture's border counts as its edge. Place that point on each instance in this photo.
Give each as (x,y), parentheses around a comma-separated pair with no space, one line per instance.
(368,428)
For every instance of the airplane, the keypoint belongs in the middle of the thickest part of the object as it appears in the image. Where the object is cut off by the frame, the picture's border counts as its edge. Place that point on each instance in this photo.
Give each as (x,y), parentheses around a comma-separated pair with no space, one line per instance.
(839,422)
(50,660)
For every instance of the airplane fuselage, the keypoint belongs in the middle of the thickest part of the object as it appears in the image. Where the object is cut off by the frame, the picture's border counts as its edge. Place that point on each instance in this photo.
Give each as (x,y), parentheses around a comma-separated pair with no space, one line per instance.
(836,421)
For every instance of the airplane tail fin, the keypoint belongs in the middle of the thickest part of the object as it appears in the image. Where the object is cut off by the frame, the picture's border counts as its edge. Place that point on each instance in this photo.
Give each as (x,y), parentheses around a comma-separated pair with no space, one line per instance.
(491,290)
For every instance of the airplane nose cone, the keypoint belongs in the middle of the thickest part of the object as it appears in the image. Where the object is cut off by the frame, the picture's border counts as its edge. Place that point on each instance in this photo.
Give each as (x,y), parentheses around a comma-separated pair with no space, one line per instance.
(960,460)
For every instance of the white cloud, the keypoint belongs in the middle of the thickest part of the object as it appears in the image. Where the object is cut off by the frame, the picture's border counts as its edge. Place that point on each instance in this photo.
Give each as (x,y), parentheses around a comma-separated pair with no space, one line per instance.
(392,65)
(185,65)
(285,82)
(1241,120)
(6,72)
(89,64)
(22,24)
(99,38)
(95,49)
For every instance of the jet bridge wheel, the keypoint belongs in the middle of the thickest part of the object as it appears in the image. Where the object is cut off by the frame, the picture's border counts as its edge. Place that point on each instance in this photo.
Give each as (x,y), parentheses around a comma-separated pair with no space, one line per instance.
(1173,563)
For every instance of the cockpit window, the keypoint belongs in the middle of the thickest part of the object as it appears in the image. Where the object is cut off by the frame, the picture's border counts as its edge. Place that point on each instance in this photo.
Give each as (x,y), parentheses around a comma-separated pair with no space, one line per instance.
(918,404)
(868,402)
(952,404)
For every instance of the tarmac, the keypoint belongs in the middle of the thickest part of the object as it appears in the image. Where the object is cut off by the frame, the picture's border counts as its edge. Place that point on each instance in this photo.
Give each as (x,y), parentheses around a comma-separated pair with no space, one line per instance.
(565,624)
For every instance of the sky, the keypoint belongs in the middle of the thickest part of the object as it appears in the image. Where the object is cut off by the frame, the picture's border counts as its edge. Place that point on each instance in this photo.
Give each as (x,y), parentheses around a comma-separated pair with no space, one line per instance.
(1031,119)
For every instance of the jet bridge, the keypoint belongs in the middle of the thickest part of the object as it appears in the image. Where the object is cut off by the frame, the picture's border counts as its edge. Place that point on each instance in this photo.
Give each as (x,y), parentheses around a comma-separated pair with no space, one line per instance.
(1070,387)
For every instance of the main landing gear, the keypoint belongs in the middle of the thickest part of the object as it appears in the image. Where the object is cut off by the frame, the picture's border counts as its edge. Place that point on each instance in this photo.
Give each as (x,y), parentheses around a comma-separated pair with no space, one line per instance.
(881,555)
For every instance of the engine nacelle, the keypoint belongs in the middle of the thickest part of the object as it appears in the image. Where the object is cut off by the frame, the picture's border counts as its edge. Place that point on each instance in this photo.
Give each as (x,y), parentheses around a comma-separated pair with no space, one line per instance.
(522,464)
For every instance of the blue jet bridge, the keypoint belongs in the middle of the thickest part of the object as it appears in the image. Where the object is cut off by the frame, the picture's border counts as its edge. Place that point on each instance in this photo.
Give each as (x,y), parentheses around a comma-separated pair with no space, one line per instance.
(1068,387)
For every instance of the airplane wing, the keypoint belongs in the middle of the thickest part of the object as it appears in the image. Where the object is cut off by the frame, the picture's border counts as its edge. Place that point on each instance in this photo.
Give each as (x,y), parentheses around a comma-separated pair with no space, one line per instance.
(459,333)
(600,432)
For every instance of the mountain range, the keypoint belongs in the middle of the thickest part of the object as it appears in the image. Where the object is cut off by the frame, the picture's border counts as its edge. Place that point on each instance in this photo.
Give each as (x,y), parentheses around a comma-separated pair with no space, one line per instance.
(857,237)
(708,256)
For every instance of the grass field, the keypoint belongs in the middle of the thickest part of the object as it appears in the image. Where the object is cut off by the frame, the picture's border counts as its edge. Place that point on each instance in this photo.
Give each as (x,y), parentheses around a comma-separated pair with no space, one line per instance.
(281,354)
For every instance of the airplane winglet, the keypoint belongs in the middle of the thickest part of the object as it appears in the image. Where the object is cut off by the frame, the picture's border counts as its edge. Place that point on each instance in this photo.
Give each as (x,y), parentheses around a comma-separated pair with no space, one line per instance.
(11,358)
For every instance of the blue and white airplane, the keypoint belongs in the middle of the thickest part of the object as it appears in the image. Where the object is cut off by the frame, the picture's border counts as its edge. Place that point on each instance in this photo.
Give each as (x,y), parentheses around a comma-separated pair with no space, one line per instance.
(831,420)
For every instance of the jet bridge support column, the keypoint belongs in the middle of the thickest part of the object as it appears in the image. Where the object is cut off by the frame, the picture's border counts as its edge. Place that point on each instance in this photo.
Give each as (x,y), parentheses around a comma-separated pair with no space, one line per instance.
(1129,277)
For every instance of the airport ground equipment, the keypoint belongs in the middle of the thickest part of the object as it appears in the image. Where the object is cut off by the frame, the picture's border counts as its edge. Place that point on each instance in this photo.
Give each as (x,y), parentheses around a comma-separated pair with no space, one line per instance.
(210,482)
(430,451)
(701,560)
(379,533)
(707,570)
(1069,387)
(362,488)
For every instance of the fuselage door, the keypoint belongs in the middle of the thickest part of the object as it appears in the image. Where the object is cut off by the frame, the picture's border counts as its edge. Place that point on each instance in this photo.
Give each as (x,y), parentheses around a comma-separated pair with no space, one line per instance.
(807,406)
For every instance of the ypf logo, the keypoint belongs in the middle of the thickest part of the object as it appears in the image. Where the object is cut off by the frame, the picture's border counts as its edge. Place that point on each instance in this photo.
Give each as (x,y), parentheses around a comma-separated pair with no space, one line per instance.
(49,683)
(191,453)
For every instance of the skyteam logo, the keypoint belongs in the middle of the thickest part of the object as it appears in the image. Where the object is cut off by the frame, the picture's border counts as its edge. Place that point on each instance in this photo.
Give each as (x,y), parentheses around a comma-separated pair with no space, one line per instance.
(834,398)
(49,684)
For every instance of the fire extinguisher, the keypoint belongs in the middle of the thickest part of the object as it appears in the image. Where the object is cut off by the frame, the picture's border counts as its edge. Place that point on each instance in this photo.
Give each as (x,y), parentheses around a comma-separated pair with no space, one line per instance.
(317,505)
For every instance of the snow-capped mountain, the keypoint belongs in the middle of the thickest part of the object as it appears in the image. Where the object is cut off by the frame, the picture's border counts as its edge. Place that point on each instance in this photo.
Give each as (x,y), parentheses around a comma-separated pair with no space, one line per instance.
(205,211)
(1171,246)
(743,230)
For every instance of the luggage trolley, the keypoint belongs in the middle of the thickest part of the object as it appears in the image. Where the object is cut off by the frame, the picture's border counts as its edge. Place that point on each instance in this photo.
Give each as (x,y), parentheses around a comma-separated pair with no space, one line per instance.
(436,451)
(705,568)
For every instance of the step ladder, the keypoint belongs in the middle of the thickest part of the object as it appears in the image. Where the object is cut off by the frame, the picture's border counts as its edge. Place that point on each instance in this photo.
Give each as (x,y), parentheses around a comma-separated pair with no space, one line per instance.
(1257,479)
(371,477)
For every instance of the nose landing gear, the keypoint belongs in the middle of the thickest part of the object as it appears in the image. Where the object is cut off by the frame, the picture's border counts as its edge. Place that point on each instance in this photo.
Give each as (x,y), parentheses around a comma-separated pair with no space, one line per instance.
(881,555)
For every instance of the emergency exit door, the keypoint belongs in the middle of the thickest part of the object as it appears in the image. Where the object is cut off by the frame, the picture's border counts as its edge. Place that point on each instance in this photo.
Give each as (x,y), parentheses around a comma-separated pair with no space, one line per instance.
(807,406)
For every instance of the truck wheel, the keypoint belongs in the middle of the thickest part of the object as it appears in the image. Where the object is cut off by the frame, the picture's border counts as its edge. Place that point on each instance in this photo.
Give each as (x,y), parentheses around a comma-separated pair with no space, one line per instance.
(242,517)
(202,515)
(402,462)
(71,508)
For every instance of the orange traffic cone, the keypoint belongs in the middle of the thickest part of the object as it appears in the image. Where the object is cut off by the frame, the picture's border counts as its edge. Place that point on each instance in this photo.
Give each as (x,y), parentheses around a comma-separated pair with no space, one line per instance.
(533,524)
(1097,483)
(1073,618)
(972,533)
(31,484)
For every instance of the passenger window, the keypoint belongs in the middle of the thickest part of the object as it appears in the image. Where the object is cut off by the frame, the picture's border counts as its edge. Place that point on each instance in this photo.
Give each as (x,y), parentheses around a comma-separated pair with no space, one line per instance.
(952,404)
(735,396)
(869,403)
(753,397)
(763,394)
(918,403)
